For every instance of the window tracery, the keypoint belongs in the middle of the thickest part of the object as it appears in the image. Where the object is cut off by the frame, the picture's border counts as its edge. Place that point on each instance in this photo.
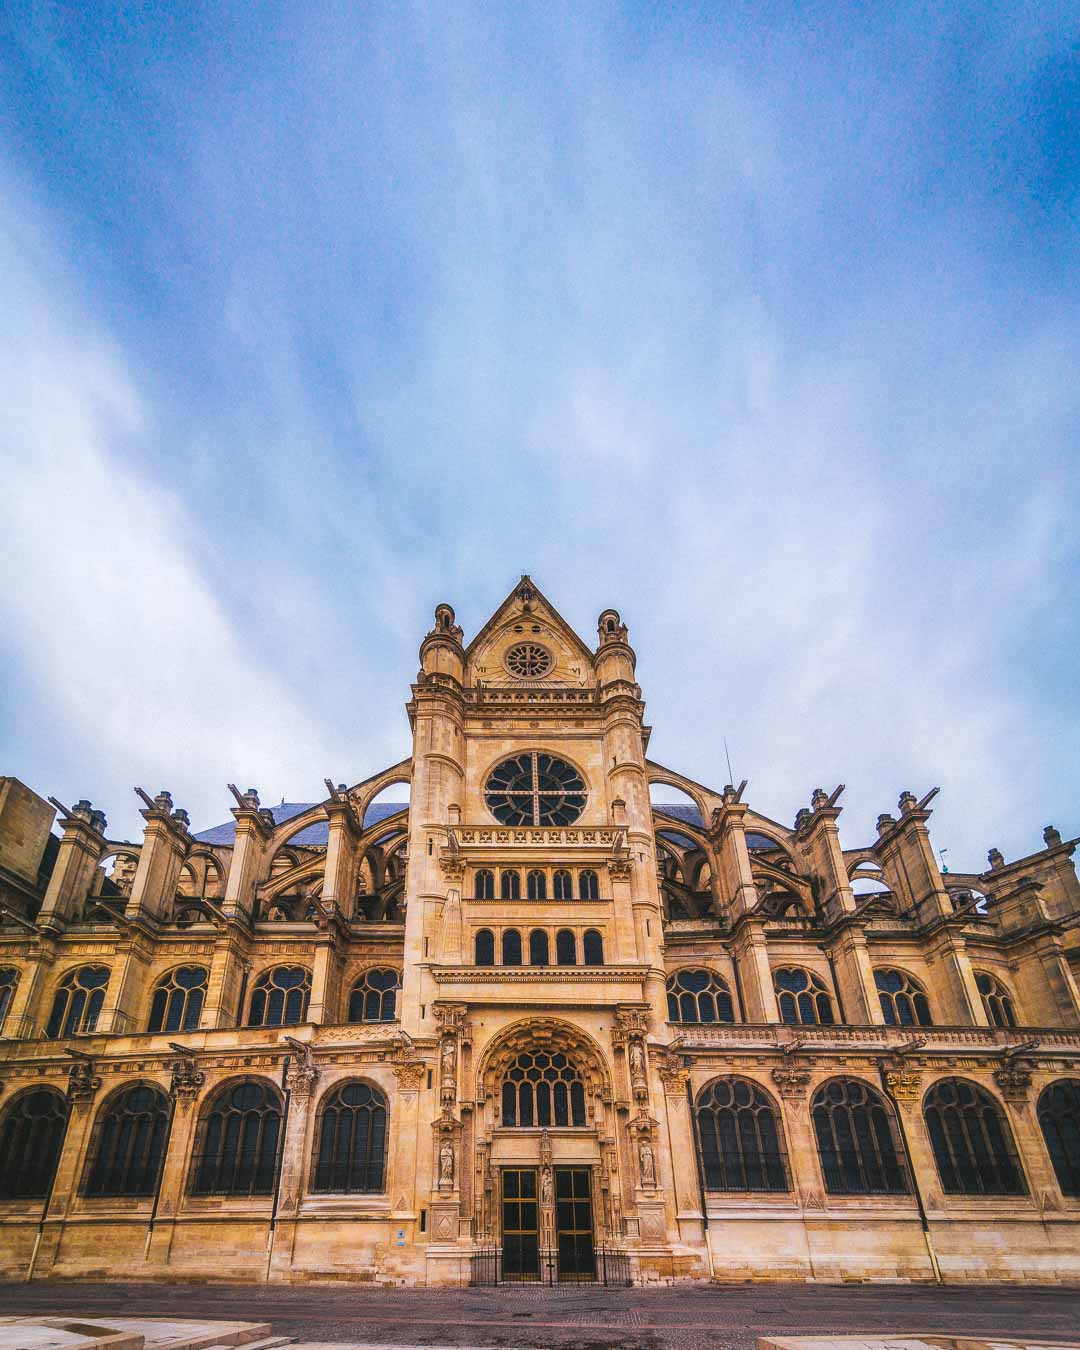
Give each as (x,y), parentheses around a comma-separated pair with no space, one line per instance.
(9,978)
(77,1002)
(31,1137)
(1059,1120)
(857,1140)
(973,1145)
(996,1000)
(698,996)
(280,997)
(535,788)
(373,997)
(352,1137)
(543,1088)
(802,997)
(588,885)
(740,1138)
(129,1148)
(528,660)
(562,885)
(510,885)
(178,999)
(485,884)
(903,1001)
(536,885)
(237,1150)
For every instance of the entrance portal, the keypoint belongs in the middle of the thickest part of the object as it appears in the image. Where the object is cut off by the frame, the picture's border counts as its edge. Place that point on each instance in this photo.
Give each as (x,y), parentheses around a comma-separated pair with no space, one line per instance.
(523,1257)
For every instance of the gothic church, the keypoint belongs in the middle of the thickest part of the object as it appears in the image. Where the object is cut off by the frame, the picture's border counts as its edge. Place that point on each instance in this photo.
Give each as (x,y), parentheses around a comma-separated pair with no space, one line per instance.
(525,1023)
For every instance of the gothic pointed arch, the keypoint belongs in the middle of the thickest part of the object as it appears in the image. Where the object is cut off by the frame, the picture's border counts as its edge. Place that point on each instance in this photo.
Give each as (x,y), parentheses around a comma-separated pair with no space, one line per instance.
(540,1034)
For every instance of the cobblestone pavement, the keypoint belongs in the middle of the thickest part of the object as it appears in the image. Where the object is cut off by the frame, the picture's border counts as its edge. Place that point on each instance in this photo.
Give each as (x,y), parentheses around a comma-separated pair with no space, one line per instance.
(728,1318)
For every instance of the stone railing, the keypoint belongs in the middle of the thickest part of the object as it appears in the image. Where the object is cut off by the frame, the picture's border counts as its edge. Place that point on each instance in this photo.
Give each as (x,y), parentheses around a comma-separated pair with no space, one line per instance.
(580,836)
(755,1037)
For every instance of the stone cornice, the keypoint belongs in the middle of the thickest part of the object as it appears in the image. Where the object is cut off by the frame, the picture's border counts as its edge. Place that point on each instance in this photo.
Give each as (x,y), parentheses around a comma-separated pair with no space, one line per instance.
(471,837)
(750,1038)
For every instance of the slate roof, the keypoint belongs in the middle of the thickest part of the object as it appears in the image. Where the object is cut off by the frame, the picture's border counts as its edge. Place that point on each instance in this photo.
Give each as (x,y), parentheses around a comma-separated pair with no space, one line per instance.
(315,836)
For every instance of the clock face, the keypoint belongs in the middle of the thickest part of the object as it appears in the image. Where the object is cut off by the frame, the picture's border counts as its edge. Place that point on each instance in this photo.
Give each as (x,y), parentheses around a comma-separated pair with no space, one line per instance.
(528,660)
(535,788)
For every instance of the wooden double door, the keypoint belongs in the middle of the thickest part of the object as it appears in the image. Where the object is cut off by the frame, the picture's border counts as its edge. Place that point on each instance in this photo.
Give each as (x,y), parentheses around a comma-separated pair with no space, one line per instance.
(573,1256)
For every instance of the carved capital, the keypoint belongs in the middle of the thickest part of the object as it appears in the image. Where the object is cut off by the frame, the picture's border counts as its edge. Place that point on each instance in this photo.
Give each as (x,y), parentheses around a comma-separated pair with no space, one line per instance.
(409,1074)
(619,869)
(187,1079)
(631,1021)
(1014,1082)
(674,1080)
(904,1084)
(83,1082)
(791,1082)
(301,1079)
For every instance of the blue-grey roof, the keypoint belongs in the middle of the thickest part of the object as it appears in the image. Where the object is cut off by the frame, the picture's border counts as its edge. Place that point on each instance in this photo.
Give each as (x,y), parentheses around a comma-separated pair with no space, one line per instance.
(681,811)
(315,836)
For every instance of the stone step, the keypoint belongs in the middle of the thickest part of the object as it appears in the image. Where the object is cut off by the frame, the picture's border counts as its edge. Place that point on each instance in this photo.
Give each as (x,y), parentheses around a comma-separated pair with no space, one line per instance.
(268,1343)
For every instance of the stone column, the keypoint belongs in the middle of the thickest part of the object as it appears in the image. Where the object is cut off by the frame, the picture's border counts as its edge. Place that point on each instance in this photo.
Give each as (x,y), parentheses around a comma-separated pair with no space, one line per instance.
(254,833)
(166,841)
(750,951)
(83,1084)
(187,1082)
(296,1155)
(221,1008)
(855,975)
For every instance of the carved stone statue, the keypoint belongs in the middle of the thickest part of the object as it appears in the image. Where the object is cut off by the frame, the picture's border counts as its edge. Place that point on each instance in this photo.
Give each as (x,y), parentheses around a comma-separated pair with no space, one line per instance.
(449,1058)
(446,1164)
(547,1187)
(647,1162)
(637,1060)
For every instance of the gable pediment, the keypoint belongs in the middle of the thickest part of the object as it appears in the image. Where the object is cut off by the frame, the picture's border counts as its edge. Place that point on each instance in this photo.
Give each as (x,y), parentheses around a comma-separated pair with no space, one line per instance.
(528,641)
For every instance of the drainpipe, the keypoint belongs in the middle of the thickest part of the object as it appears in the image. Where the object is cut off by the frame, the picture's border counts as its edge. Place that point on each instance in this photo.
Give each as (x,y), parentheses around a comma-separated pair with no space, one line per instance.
(700,1174)
(277,1166)
(939,1278)
(160,1179)
(48,1201)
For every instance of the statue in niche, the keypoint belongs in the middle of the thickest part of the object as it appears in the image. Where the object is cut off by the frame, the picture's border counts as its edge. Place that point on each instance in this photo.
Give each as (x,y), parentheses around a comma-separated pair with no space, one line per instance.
(449,1058)
(446,1164)
(637,1060)
(647,1162)
(547,1187)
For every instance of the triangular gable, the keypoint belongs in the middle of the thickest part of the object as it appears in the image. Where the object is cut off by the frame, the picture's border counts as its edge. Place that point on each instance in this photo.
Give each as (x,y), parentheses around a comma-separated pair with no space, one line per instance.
(526,606)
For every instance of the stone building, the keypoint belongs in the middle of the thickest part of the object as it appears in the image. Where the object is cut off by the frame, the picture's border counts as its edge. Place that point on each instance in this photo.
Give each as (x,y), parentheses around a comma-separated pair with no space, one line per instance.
(529,1023)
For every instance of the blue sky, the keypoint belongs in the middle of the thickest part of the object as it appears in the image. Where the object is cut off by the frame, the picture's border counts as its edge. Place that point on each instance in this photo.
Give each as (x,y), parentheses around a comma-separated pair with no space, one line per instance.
(758,322)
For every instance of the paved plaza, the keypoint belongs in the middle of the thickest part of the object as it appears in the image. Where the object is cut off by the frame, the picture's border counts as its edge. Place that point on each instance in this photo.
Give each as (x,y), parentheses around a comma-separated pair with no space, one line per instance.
(577,1318)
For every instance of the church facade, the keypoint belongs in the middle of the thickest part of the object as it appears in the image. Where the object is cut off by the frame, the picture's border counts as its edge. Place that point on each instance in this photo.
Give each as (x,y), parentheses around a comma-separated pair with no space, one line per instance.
(532,1023)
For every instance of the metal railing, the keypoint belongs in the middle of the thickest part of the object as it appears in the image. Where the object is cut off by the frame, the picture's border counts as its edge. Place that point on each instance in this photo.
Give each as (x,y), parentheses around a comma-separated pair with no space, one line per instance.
(610,1266)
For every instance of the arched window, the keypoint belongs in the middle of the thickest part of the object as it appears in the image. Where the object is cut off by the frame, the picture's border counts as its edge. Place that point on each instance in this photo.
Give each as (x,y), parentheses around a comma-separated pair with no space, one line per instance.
(536,885)
(31,1137)
(538,947)
(857,1141)
(485,947)
(562,886)
(237,1149)
(352,1140)
(9,978)
(739,1137)
(698,996)
(280,997)
(1059,1118)
(511,947)
(129,1144)
(485,884)
(565,948)
(77,1002)
(996,1000)
(543,1088)
(374,996)
(510,885)
(178,1000)
(903,1003)
(592,946)
(802,997)
(588,885)
(973,1145)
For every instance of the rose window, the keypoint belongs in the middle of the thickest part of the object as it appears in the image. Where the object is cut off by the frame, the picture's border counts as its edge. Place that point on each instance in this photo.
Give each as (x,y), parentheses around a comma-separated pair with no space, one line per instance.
(535,789)
(528,660)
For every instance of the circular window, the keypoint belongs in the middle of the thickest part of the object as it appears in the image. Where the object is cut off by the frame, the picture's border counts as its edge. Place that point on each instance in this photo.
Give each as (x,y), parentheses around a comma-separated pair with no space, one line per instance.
(528,660)
(535,789)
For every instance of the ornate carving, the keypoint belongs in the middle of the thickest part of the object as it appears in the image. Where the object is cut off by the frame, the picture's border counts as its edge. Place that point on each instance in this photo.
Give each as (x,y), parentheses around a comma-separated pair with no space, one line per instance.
(83,1082)
(187,1077)
(631,1019)
(1014,1082)
(791,1082)
(619,869)
(547,1186)
(409,1074)
(904,1084)
(675,1080)
(446,1165)
(647,1163)
(303,1075)
(811,1200)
